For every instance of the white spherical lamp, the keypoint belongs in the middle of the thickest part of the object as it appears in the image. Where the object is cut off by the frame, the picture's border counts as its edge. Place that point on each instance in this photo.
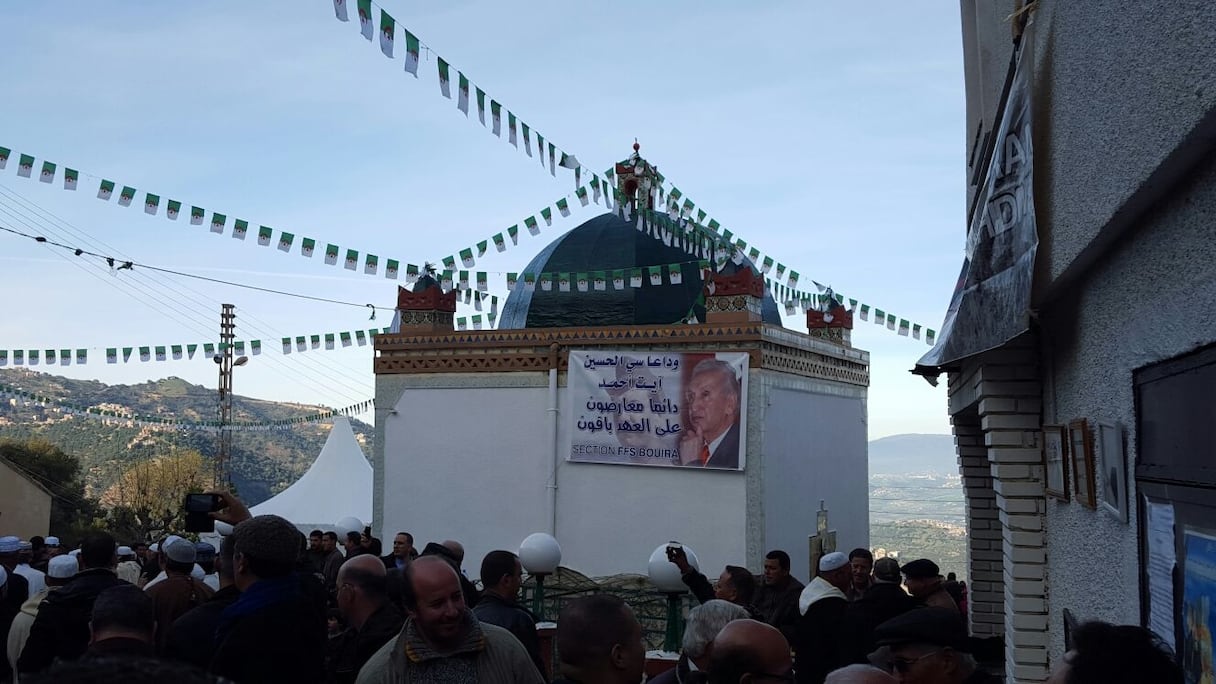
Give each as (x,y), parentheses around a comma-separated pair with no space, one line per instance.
(665,575)
(347,525)
(540,554)
(222,528)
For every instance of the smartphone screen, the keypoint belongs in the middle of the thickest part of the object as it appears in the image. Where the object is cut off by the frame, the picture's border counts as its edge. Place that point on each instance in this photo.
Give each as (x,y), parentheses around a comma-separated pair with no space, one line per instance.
(200,503)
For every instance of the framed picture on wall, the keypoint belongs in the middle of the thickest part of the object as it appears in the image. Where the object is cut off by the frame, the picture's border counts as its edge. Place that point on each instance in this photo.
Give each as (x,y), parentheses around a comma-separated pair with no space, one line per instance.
(1081,453)
(1055,461)
(1112,465)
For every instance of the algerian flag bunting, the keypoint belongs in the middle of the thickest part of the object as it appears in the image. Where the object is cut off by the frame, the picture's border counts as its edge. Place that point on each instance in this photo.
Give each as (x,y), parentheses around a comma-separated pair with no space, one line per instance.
(547,215)
(412,49)
(930,336)
(904,325)
(529,282)
(563,282)
(462,93)
(675,274)
(483,284)
(285,240)
(481,106)
(365,18)
(445,79)
(513,233)
(307,246)
(583,281)
(466,258)
(331,254)
(391,269)
(105,190)
(329,340)
(4,154)
(25,166)
(70,178)
(563,206)
(151,203)
(656,275)
(540,148)
(352,259)
(865,312)
(264,235)
(595,189)
(340,10)
(552,159)
(533,228)
(581,193)
(173,210)
(512,136)
(496,118)
(500,243)
(527,141)
(916,331)
(481,248)
(125,197)
(618,280)
(196,215)
(599,281)
(217,223)
(388,29)
(239,229)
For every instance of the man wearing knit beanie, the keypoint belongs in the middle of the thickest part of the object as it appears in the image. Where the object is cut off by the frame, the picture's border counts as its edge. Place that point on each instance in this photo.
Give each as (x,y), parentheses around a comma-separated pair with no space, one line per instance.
(273,632)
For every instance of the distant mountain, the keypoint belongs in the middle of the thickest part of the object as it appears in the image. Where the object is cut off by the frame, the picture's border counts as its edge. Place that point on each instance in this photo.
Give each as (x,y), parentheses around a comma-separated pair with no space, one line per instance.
(263,463)
(913,454)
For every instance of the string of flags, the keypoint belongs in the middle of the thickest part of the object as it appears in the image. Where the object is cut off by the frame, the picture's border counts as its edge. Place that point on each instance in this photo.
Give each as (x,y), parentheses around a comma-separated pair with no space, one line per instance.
(468,94)
(122,417)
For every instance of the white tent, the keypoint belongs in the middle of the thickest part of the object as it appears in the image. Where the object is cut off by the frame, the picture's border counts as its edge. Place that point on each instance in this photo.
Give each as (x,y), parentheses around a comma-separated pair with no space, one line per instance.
(337,485)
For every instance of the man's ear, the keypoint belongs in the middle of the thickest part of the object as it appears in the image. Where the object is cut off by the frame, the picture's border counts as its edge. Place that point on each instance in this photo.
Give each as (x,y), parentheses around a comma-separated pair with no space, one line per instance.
(617,657)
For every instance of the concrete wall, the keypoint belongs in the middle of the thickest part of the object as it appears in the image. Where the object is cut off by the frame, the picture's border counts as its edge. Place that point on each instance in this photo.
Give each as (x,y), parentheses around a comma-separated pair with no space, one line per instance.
(814,449)
(1148,300)
(25,508)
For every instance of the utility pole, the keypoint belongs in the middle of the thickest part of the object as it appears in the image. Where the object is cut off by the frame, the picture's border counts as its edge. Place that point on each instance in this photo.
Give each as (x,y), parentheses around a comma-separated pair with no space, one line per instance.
(225,361)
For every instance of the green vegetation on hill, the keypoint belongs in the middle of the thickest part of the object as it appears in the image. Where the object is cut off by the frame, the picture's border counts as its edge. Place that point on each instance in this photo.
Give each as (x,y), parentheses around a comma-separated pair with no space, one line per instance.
(263,463)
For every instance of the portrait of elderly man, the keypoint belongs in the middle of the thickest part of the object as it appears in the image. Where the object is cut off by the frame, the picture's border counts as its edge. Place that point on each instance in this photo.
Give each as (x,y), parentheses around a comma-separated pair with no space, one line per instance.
(712,399)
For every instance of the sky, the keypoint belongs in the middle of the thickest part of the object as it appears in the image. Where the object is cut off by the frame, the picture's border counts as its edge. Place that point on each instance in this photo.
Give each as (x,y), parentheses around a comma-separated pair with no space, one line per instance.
(828,135)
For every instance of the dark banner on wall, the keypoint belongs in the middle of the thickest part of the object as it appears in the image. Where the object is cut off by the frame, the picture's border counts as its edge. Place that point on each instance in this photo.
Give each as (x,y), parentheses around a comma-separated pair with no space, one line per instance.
(992,297)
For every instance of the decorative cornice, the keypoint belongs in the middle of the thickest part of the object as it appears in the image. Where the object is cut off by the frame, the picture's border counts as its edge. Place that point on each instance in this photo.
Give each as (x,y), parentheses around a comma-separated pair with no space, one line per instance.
(741,282)
(539,349)
(430,299)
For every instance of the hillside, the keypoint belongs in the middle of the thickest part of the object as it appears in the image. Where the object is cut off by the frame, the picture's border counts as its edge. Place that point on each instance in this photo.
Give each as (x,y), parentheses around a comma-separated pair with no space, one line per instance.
(913,454)
(263,463)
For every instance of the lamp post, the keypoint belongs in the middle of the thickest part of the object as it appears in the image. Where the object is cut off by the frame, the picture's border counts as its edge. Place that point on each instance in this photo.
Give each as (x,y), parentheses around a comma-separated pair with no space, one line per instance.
(665,576)
(540,555)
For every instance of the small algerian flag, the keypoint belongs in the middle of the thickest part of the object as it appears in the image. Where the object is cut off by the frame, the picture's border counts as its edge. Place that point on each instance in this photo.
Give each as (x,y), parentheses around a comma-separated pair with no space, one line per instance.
(344,337)
(595,189)
(546,282)
(880,317)
(18,357)
(890,321)
(340,10)
(255,347)
(512,134)
(285,240)
(209,350)
(714,225)
(301,343)
(264,235)
(360,338)
(916,331)
(767,265)
(365,18)
(331,254)
(618,280)
(449,263)
(533,228)
(145,353)
(445,79)
(688,206)
(581,193)
(315,340)
(780,270)
(552,159)
(125,197)
(462,93)
(701,216)
(412,48)
(656,275)
(904,326)
(25,166)
(676,194)
(563,206)
(635,277)
(112,355)
(307,247)
(482,282)
(82,356)
(371,264)
(569,161)
(50,357)
(675,273)
(481,248)
(529,282)
(445,281)
(239,229)
(582,282)
(160,354)
(388,27)
(600,280)
(496,118)
(540,148)
(563,282)
(466,258)
(391,269)
(477,321)
(411,273)
(352,259)
(865,312)
(462,323)
(790,308)
(547,215)
(500,243)
(4,154)
(329,340)
(173,210)
(464,280)
(196,215)
(105,190)
(512,280)
(513,233)
(930,336)
(793,280)
(70,178)
(481,106)
(527,139)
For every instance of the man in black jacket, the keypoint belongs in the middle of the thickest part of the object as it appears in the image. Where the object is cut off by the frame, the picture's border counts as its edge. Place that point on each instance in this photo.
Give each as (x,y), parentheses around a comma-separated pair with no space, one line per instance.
(501,577)
(403,552)
(821,638)
(61,629)
(883,600)
(372,619)
(273,631)
(192,636)
(735,584)
(777,597)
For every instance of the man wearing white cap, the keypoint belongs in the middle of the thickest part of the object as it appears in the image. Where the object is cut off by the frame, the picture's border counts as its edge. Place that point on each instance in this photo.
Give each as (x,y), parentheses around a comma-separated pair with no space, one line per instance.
(128,568)
(158,552)
(820,636)
(178,592)
(36,578)
(60,569)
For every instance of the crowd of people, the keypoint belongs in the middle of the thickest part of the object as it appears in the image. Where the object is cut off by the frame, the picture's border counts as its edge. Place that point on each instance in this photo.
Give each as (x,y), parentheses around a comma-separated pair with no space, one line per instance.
(272,605)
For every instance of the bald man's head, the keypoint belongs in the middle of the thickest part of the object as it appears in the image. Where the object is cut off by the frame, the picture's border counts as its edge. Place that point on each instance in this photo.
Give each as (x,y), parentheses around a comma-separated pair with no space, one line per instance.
(749,647)
(456,548)
(362,569)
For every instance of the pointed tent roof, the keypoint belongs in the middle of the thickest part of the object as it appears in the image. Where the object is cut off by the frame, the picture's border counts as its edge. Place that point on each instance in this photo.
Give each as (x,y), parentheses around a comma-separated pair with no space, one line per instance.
(338,484)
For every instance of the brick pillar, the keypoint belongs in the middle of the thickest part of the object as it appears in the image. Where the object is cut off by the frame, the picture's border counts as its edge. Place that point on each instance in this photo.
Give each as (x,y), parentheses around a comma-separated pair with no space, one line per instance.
(986,590)
(1009,408)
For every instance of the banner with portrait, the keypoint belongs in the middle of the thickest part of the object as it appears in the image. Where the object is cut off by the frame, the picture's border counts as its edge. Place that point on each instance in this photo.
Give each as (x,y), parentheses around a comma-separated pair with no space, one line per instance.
(657,409)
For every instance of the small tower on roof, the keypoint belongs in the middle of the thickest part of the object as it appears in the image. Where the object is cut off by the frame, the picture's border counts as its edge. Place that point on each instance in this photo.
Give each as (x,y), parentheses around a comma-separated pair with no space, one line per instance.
(637,181)
(426,309)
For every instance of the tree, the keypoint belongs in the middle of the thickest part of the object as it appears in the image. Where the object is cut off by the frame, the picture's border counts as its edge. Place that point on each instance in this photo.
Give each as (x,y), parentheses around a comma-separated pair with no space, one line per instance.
(148,497)
(61,475)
